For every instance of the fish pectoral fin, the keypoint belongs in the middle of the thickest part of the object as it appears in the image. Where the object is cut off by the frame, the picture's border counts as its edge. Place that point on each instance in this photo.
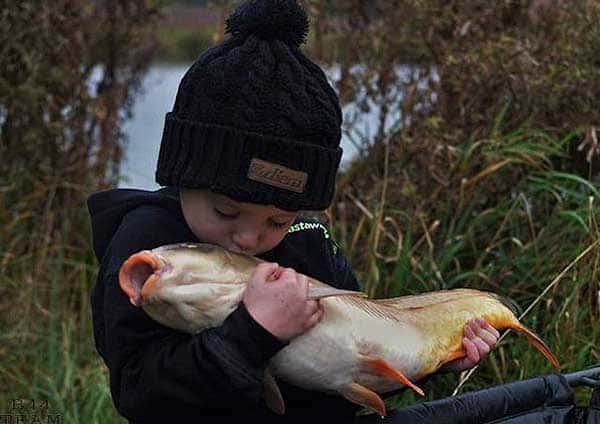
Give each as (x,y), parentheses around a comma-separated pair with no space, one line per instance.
(365,397)
(379,366)
(273,397)
(321,292)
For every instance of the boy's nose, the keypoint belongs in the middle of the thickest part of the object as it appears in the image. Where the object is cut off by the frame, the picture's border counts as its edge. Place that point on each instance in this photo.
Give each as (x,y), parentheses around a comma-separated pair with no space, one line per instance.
(247,239)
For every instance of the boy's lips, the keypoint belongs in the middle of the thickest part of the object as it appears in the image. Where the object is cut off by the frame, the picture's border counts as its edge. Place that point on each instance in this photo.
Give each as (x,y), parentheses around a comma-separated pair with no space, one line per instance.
(238,250)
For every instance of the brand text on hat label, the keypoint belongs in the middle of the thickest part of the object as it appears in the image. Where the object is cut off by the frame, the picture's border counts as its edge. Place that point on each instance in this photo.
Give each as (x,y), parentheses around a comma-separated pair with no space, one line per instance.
(277,175)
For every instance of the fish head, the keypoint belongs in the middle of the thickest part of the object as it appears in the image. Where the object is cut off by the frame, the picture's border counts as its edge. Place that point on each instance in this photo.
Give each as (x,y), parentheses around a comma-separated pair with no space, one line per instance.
(185,285)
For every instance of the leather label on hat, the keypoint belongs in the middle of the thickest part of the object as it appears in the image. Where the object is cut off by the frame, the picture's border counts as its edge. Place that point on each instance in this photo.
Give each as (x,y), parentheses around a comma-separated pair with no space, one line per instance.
(277,175)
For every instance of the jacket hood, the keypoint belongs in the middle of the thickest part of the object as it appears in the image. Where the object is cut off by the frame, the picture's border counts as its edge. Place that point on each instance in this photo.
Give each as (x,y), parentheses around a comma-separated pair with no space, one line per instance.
(107,209)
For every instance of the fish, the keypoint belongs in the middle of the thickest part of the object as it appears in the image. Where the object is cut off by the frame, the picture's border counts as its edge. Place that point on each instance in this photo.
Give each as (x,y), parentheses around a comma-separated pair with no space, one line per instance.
(362,348)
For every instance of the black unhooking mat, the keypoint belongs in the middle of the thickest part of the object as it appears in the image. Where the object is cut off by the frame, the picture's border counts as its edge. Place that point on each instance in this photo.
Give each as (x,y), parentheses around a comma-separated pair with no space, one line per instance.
(541,400)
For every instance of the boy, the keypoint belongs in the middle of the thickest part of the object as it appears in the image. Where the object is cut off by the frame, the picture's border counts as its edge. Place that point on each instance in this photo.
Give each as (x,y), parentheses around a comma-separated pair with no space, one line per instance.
(253,139)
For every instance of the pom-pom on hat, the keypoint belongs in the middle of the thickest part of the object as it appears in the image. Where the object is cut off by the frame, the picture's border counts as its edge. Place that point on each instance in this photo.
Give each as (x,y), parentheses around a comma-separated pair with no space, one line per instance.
(254,118)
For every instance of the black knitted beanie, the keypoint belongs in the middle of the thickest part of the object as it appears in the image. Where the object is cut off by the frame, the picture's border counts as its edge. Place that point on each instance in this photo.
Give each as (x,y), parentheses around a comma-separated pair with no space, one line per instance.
(254,118)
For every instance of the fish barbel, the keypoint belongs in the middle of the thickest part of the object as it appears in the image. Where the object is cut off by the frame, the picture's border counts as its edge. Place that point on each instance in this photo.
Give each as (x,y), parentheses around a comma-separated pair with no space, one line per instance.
(360,348)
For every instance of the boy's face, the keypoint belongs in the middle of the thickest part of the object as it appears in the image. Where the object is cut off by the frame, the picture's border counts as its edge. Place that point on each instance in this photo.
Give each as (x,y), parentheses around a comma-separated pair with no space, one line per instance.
(241,227)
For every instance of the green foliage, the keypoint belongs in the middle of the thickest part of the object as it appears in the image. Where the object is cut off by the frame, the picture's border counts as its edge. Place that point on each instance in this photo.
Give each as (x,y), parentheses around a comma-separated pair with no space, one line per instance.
(525,53)
(488,176)
(509,229)
(183,44)
(68,73)
(469,60)
(187,28)
(47,347)
(484,180)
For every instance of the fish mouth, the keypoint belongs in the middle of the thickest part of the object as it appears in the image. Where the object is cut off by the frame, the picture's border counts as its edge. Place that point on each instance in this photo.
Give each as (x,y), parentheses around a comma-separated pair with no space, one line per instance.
(138,275)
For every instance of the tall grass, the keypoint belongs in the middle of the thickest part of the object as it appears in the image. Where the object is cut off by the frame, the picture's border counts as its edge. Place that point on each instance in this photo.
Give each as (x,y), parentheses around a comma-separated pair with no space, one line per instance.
(503,212)
(517,243)
(68,76)
(47,351)
(510,219)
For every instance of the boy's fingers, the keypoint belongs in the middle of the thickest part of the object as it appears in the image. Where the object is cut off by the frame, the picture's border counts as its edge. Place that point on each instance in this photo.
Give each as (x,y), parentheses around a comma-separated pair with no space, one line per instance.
(482,347)
(471,348)
(487,337)
(312,306)
(264,270)
(275,275)
(468,331)
(486,326)
(314,319)
(484,330)
(492,330)
(483,339)
(287,271)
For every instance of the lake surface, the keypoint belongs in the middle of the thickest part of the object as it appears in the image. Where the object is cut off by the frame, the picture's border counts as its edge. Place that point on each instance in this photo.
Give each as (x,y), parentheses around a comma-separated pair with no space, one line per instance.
(144,129)
(159,88)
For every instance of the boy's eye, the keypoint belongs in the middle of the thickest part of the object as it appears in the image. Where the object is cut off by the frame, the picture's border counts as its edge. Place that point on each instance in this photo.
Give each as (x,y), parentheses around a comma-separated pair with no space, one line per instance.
(226,215)
(279,224)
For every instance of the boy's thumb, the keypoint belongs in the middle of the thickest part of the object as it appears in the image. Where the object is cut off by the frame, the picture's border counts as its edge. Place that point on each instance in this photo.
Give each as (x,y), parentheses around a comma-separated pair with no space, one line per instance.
(267,271)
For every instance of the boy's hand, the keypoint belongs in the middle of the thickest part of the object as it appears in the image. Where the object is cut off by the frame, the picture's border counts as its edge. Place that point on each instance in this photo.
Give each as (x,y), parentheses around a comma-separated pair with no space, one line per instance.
(276,298)
(478,340)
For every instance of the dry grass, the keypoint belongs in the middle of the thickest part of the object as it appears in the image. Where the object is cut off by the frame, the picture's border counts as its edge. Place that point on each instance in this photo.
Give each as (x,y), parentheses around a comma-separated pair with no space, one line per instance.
(505,218)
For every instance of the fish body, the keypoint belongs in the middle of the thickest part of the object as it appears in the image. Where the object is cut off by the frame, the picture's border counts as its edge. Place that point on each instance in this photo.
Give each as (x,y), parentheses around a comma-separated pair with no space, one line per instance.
(360,348)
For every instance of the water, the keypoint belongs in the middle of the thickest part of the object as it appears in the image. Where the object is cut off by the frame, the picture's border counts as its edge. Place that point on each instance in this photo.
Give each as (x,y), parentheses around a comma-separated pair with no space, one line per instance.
(144,129)
(159,88)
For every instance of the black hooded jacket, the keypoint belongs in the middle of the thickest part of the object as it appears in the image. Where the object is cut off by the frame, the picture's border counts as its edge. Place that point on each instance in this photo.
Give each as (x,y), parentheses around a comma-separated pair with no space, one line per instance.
(159,374)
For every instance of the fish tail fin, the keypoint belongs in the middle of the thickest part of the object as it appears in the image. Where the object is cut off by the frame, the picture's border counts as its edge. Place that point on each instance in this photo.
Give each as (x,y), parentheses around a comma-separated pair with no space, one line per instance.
(537,342)
(135,272)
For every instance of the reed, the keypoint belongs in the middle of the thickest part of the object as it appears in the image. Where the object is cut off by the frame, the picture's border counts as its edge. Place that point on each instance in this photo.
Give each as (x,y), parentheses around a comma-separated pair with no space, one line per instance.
(535,241)
(462,196)
(46,338)
(67,78)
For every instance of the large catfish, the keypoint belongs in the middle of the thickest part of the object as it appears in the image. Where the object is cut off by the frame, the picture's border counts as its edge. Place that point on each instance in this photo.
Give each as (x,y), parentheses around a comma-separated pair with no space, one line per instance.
(360,348)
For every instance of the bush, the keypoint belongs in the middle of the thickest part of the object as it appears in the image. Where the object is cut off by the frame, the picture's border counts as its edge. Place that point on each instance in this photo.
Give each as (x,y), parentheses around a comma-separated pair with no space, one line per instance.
(68,73)
(482,179)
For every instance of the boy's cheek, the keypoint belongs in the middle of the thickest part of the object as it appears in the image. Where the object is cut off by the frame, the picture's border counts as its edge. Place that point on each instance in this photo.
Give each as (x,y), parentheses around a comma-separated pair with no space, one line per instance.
(271,241)
(211,232)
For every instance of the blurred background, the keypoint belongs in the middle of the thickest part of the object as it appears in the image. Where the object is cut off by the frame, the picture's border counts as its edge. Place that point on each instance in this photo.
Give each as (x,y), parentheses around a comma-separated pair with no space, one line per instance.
(471,159)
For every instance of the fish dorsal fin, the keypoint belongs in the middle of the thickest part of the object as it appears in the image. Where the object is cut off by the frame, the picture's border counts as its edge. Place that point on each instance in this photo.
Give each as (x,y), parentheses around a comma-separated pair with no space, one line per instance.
(321,292)
(388,308)
(428,299)
(375,308)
